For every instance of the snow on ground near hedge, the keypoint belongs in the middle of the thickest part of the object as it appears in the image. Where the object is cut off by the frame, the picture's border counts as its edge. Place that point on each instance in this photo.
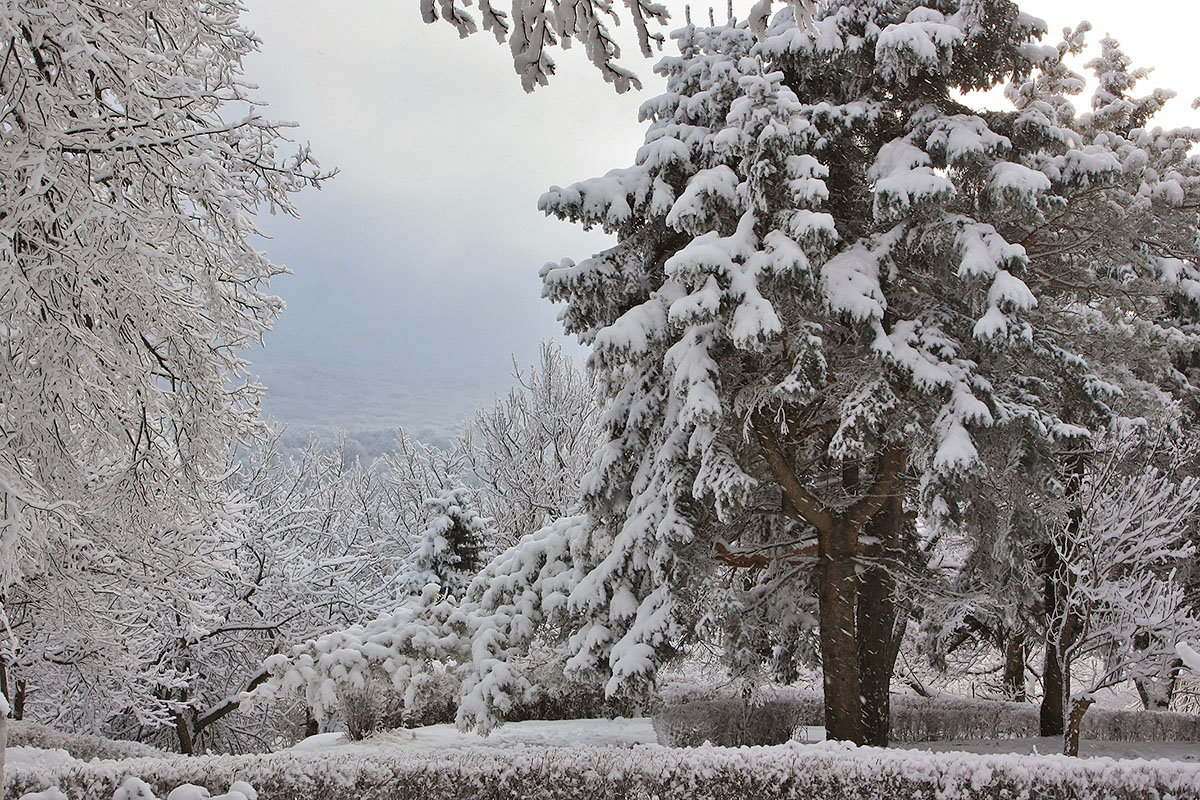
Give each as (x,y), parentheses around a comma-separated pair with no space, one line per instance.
(36,757)
(630,732)
(1174,751)
(537,733)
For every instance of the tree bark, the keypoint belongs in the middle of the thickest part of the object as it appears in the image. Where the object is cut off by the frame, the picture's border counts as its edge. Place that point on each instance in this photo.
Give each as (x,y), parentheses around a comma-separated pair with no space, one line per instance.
(838,534)
(878,637)
(1079,707)
(183,733)
(1055,685)
(837,586)
(1014,666)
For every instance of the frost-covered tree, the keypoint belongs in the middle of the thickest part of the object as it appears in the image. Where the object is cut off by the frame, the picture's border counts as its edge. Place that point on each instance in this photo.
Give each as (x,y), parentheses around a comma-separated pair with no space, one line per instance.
(1123,611)
(132,161)
(534,27)
(529,450)
(307,546)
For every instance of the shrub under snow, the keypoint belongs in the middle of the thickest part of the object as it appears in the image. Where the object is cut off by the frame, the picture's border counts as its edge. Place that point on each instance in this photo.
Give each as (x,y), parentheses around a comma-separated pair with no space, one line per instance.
(85,747)
(137,789)
(828,770)
(692,716)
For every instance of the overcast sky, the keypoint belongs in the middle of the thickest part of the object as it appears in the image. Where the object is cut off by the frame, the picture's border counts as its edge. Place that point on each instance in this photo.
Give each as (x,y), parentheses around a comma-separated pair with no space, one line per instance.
(416,267)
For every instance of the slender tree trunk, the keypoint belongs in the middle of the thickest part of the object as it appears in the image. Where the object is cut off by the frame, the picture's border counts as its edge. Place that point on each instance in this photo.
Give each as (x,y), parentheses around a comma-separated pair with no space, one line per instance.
(3,748)
(1079,707)
(1055,686)
(1056,675)
(837,586)
(1014,666)
(18,703)
(183,733)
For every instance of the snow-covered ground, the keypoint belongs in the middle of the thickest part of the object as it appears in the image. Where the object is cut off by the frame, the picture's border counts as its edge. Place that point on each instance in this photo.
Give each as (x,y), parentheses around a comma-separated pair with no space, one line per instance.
(631,732)
(549,733)
(1174,751)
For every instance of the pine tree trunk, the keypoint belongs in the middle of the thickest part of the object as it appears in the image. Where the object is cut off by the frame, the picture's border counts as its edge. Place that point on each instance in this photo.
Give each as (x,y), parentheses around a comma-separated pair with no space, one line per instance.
(878,638)
(1014,666)
(837,585)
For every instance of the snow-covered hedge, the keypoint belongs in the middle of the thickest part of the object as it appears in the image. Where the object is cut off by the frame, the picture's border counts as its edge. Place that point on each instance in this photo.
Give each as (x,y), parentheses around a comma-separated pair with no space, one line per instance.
(137,789)
(691,716)
(1141,726)
(22,733)
(828,770)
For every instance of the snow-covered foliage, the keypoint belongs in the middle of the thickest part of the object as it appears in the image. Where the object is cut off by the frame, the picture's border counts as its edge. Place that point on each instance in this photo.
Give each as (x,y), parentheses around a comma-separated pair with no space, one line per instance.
(451,547)
(136,789)
(825,770)
(133,160)
(306,548)
(533,27)
(834,288)
(85,747)
(529,450)
(685,718)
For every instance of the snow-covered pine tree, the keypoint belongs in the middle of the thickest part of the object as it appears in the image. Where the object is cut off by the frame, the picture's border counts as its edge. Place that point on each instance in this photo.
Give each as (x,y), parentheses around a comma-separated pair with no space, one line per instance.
(450,548)
(829,272)
(132,161)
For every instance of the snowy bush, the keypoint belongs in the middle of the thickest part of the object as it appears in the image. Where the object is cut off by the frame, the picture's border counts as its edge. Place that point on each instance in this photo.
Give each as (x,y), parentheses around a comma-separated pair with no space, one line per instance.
(370,710)
(732,721)
(136,789)
(830,770)
(1141,726)
(22,733)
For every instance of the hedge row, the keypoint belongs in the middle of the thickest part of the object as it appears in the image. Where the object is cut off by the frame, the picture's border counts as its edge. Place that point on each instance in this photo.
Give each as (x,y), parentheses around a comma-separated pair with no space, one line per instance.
(832,771)
(692,716)
(22,733)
